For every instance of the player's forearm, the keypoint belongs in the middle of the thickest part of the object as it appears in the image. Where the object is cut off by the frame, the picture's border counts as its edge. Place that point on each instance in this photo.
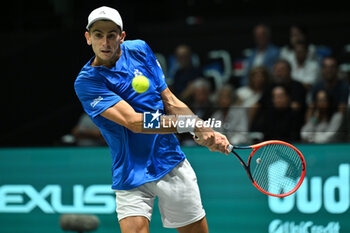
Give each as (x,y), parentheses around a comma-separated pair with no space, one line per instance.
(177,108)
(135,123)
(167,124)
(123,114)
(174,106)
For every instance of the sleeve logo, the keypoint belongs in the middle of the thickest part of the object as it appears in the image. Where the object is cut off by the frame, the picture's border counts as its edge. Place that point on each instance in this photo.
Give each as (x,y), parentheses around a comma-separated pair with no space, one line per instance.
(96,101)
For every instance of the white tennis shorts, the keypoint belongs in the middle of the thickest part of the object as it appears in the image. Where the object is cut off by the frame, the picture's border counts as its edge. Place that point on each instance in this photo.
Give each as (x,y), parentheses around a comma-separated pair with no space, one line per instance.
(178,194)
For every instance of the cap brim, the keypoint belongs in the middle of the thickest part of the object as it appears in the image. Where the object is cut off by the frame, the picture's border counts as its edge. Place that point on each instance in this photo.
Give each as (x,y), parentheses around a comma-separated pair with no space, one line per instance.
(101,18)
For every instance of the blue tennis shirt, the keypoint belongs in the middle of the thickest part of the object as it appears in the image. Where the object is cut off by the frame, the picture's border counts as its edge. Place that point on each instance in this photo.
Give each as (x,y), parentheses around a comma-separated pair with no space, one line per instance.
(137,158)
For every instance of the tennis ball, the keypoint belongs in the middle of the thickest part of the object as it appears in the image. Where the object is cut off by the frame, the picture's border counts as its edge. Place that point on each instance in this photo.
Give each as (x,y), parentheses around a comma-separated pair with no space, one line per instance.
(140,84)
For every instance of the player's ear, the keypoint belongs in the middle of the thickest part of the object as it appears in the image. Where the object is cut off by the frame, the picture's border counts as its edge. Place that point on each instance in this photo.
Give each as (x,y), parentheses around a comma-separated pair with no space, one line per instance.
(122,37)
(87,37)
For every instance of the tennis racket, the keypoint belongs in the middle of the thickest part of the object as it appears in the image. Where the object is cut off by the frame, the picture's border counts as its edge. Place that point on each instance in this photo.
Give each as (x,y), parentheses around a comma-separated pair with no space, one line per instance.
(276,168)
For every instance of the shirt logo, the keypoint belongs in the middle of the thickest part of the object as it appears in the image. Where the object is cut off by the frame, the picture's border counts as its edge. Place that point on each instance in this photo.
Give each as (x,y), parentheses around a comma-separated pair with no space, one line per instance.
(96,101)
(137,72)
(151,120)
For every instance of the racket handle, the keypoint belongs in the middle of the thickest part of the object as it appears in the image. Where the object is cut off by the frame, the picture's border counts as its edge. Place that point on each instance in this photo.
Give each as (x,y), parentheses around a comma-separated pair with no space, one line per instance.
(194,136)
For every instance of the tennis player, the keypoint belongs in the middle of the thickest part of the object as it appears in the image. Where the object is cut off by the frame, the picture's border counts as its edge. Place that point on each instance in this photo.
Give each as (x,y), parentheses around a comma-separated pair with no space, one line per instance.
(146,163)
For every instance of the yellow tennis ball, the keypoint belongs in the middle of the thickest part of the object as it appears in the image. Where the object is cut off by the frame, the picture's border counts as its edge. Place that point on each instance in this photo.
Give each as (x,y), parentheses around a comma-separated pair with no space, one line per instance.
(140,84)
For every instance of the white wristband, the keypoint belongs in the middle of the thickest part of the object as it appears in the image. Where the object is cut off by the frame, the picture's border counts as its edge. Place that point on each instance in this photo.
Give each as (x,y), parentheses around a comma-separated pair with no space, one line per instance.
(186,123)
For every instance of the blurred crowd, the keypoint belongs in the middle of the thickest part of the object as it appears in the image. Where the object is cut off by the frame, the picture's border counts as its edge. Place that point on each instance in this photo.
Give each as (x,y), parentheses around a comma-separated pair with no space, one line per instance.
(295,93)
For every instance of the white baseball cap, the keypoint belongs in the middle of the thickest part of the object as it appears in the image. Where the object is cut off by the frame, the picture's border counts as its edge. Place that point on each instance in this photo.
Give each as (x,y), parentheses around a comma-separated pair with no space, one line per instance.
(105,13)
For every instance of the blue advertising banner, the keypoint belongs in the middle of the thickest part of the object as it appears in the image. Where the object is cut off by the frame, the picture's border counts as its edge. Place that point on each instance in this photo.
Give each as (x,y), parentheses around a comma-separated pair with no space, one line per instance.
(38,185)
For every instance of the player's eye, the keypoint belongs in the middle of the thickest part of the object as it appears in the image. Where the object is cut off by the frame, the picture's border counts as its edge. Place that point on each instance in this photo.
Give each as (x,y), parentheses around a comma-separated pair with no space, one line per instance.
(98,35)
(111,36)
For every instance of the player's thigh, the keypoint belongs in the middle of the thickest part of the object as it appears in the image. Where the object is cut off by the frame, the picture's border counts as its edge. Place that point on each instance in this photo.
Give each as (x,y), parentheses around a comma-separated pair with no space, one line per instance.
(179,197)
(134,224)
(137,202)
(200,226)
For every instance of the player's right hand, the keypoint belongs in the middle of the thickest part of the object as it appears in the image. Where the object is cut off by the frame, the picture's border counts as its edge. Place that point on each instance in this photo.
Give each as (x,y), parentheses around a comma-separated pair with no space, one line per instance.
(204,137)
(222,143)
(214,141)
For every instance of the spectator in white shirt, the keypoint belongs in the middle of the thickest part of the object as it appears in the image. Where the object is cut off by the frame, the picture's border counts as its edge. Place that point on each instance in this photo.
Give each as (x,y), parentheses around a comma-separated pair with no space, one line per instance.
(324,124)
(258,80)
(233,118)
(297,33)
(304,69)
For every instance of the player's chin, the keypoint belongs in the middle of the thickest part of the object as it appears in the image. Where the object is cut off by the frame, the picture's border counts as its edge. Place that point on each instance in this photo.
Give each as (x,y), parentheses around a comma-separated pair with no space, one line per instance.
(105,56)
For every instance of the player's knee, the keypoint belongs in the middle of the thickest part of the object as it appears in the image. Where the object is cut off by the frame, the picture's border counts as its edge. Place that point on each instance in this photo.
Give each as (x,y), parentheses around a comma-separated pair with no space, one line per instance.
(134,224)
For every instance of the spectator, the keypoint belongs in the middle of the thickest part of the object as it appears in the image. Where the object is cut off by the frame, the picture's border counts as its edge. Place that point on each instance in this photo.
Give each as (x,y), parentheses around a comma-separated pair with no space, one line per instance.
(265,53)
(296,95)
(258,80)
(281,121)
(324,123)
(86,133)
(233,118)
(201,106)
(282,75)
(338,89)
(186,72)
(304,69)
(297,33)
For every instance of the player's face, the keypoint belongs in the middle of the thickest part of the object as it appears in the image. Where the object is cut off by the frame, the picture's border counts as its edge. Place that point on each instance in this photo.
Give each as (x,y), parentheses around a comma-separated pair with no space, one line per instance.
(105,38)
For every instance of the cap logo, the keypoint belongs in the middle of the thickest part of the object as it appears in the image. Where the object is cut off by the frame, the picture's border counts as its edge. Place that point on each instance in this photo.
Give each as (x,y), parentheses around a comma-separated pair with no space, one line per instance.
(102,12)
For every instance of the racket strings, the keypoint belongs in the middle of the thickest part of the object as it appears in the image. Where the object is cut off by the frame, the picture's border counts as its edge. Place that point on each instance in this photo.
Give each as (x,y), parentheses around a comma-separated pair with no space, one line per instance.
(278,170)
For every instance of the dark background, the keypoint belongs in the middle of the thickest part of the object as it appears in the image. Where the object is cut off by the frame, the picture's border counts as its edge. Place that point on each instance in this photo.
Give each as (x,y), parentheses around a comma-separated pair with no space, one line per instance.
(43,48)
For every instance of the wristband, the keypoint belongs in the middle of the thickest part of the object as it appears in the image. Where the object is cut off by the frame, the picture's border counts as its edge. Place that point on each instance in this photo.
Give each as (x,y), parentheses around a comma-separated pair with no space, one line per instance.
(186,123)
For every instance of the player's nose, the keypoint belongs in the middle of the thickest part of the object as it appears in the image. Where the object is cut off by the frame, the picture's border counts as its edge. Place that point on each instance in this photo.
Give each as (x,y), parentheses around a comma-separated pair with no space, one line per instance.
(105,41)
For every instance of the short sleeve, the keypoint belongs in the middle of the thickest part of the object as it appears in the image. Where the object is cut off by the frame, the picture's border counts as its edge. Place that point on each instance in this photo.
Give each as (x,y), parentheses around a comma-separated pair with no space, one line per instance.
(157,69)
(95,96)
